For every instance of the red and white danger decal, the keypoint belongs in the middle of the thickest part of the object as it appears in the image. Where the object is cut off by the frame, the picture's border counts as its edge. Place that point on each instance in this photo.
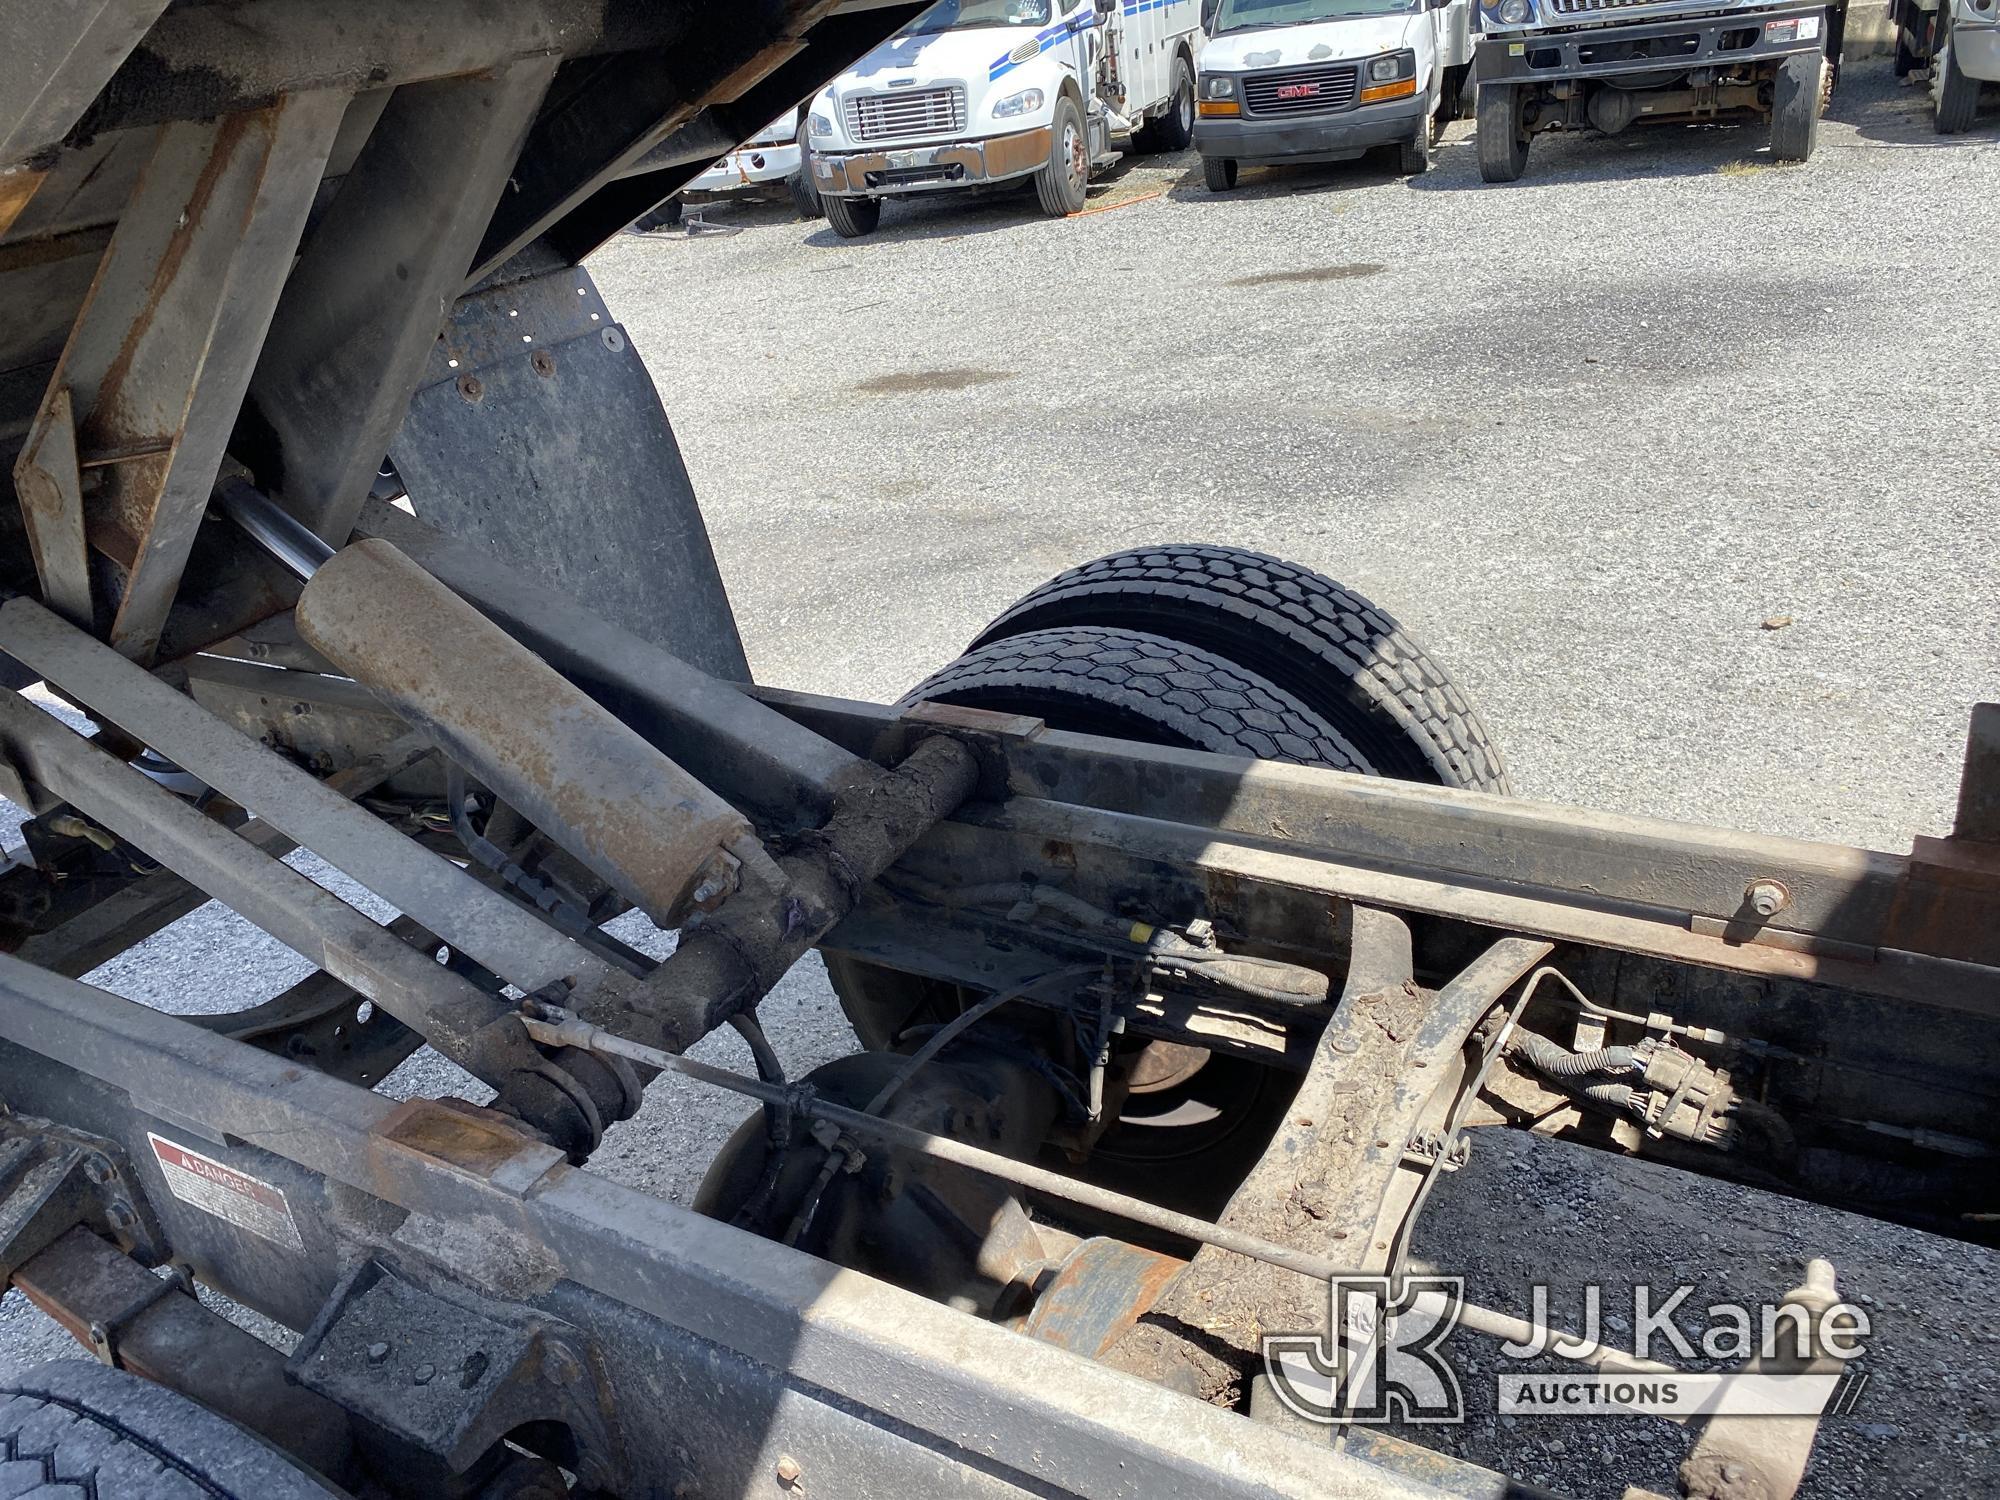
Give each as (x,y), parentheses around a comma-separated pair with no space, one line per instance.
(245,1201)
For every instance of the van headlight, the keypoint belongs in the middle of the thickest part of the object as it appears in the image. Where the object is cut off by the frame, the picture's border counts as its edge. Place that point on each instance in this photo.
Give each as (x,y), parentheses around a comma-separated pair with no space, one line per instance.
(1024,103)
(1395,65)
(818,125)
(1218,86)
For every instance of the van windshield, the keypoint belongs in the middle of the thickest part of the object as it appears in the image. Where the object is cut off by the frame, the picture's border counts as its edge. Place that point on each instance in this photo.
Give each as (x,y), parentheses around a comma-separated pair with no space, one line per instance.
(965,15)
(1247,15)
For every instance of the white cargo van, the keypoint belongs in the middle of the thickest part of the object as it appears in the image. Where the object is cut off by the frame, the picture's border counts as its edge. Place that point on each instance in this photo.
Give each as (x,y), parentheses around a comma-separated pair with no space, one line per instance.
(1325,80)
(988,91)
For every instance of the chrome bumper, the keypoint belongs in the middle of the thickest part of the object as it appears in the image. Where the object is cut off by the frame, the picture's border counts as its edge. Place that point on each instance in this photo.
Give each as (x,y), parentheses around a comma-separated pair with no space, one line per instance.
(916,169)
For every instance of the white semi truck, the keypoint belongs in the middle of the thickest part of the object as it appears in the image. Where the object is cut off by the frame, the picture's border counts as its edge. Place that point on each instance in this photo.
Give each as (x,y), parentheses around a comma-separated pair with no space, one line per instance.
(978,92)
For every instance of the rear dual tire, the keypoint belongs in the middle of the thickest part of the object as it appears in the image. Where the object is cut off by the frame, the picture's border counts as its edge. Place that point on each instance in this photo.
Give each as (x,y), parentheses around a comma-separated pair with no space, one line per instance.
(1211,648)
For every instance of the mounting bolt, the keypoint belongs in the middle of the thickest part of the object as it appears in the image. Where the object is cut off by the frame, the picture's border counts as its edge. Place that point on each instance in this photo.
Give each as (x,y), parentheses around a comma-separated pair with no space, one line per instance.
(1732,1473)
(789,1471)
(470,388)
(121,1216)
(377,1352)
(1345,1045)
(1767,897)
(97,1168)
(543,363)
(424,1374)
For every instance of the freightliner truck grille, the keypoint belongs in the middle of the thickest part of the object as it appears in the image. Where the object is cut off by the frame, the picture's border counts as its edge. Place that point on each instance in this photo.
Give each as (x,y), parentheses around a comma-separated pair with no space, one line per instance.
(921,112)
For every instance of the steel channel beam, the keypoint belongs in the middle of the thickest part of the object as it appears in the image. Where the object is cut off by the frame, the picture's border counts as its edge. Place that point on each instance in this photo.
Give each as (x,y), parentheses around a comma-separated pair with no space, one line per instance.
(973,1397)
(479,921)
(377,279)
(448,1009)
(1674,891)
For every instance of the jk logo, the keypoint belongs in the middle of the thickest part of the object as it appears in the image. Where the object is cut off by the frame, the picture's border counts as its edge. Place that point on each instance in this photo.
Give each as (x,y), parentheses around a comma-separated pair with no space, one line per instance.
(1378,1361)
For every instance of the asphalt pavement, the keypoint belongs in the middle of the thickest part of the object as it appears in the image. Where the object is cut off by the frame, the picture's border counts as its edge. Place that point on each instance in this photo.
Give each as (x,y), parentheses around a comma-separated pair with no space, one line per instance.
(1682,462)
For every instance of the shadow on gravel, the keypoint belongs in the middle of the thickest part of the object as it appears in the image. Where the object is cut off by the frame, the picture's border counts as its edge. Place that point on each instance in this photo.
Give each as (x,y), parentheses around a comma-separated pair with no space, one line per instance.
(958,213)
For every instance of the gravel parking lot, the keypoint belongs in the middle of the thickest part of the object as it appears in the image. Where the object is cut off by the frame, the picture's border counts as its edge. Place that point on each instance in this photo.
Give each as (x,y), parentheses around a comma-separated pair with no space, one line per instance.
(1683,463)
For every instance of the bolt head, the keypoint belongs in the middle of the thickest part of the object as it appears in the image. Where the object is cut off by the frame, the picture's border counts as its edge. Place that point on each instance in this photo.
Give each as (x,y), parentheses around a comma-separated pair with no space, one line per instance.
(424,1374)
(788,1471)
(377,1352)
(1767,897)
(97,1169)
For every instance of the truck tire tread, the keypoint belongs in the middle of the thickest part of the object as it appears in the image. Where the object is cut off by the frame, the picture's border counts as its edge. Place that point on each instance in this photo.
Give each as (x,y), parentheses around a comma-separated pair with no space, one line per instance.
(1796,96)
(1503,150)
(77,1430)
(1957,94)
(851,218)
(1343,656)
(1147,684)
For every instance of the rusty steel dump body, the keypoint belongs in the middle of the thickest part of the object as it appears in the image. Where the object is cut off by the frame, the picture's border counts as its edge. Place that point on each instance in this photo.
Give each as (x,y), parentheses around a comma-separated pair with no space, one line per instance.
(250,247)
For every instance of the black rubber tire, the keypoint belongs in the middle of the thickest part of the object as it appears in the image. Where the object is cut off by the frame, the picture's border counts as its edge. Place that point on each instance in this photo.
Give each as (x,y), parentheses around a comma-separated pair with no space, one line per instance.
(1413,157)
(664,216)
(1502,144)
(1957,95)
(805,197)
(1796,95)
(1058,187)
(1095,680)
(1218,173)
(851,218)
(1128,684)
(1173,130)
(1343,657)
(77,1430)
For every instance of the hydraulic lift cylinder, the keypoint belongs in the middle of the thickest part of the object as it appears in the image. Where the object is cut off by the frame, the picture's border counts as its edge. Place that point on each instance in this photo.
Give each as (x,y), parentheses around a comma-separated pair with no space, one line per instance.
(659,837)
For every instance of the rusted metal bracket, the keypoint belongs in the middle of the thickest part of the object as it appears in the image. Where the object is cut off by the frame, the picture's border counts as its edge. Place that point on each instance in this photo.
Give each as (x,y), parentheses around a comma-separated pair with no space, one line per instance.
(157,364)
(446,1374)
(53,1179)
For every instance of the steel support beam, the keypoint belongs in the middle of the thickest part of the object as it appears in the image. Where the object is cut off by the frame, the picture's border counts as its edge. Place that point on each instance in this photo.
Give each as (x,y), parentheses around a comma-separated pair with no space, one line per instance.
(936,1402)
(158,361)
(783,774)
(445,899)
(1670,890)
(53,69)
(453,1014)
(377,279)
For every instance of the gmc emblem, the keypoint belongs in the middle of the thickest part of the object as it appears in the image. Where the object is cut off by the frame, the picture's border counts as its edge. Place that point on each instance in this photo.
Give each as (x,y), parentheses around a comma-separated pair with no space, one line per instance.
(1297,90)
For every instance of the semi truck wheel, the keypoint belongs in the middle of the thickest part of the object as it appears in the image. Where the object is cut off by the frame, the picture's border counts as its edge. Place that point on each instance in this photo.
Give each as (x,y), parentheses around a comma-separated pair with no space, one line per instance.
(75,1428)
(1218,173)
(1795,106)
(1345,658)
(1501,133)
(1957,95)
(851,218)
(1063,181)
(805,197)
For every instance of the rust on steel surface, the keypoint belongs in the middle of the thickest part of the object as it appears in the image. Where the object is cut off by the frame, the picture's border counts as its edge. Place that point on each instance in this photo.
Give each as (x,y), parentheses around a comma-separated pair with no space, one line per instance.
(592,784)
(1102,1289)
(49,484)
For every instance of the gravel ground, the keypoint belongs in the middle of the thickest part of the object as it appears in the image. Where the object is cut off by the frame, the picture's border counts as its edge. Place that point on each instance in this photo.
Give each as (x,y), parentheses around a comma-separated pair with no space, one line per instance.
(1586,435)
